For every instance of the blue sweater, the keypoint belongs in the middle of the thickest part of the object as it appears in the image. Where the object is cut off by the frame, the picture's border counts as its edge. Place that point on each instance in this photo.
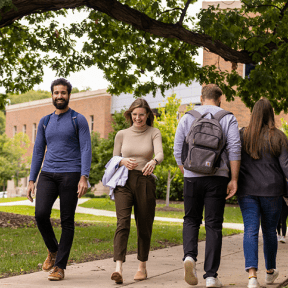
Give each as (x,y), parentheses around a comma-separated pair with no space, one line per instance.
(65,153)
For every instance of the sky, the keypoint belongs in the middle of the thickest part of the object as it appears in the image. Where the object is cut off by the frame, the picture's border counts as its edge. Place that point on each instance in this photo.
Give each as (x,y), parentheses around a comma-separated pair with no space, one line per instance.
(93,77)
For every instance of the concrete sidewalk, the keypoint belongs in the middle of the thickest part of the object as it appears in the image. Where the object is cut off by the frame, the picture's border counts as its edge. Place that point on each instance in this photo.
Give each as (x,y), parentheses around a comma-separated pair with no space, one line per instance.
(165,269)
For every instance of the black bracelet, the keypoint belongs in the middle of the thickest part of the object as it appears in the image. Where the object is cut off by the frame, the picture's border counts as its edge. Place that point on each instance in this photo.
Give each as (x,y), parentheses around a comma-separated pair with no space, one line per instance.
(156,161)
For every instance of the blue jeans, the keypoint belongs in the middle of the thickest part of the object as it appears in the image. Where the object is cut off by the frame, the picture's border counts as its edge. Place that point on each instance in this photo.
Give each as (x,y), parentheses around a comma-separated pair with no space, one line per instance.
(254,209)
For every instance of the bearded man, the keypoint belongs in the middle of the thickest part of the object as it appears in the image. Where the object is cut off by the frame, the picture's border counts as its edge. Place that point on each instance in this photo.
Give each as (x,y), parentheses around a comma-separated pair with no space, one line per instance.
(65,134)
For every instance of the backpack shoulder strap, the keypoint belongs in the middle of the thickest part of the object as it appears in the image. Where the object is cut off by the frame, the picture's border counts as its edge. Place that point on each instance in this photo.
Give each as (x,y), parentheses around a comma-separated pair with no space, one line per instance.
(46,120)
(220,114)
(194,113)
(74,121)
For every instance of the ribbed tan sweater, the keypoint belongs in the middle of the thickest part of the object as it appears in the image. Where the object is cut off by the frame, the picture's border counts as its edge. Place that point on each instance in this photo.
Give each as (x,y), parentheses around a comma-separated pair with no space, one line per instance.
(140,144)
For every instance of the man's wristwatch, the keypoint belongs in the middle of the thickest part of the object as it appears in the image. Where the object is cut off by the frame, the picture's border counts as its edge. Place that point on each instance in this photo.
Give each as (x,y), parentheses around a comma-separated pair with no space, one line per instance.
(86,176)
(156,161)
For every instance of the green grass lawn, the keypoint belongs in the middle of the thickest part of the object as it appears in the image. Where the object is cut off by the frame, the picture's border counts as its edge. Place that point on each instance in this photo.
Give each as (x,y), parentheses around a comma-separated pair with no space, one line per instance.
(231,214)
(22,249)
(2,200)
(30,211)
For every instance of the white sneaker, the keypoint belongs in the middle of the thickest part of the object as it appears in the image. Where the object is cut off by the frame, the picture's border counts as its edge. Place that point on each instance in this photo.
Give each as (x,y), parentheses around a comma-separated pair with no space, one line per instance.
(270,278)
(282,239)
(279,237)
(213,282)
(253,283)
(190,274)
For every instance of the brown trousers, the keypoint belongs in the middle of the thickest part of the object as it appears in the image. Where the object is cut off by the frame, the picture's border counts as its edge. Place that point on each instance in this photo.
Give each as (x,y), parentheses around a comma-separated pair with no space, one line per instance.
(140,192)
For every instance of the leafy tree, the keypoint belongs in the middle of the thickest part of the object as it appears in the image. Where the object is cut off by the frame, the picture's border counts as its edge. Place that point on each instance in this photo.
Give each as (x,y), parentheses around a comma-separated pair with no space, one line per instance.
(102,149)
(167,123)
(31,95)
(76,90)
(5,167)
(2,123)
(129,38)
(94,177)
(13,158)
(284,127)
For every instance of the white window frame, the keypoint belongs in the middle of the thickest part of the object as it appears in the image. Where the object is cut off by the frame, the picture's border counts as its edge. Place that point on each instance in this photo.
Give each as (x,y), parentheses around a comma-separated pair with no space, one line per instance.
(34,132)
(91,126)
(14,130)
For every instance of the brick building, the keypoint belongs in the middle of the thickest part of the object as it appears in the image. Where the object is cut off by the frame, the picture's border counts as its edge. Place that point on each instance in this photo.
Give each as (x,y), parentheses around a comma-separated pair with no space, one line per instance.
(97,107)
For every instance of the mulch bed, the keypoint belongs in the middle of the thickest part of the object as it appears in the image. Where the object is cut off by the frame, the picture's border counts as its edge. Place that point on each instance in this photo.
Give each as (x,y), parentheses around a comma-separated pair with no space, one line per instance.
(159,201)
(169,209)
(11,220)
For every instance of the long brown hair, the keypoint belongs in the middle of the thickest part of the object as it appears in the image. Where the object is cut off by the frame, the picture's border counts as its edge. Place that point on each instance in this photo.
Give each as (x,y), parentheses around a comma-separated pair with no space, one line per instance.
(140,103)
(261,135)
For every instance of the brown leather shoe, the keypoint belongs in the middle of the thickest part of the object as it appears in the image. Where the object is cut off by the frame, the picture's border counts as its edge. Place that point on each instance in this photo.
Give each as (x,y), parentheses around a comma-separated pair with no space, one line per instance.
(117,277)
(139,276)
(56,274)
(49,262)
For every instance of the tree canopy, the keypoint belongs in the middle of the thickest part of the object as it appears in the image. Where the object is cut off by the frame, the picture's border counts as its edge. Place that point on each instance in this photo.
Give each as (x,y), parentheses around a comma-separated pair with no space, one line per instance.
(13,158)
(31,95)
(168,174)
(2,122)
(131,38)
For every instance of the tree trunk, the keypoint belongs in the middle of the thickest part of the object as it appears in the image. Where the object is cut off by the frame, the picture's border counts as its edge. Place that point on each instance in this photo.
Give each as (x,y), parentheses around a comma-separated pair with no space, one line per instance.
(168,189)
(169,180)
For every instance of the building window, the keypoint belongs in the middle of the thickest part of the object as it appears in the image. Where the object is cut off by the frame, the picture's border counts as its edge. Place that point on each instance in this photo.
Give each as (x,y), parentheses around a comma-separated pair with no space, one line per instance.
(247,70)
(34,132)
(91,123)
(24,129)
(14,130)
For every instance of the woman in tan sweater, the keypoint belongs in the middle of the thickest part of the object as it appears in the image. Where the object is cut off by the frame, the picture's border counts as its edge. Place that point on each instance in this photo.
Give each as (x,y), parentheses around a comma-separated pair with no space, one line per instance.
(137,145)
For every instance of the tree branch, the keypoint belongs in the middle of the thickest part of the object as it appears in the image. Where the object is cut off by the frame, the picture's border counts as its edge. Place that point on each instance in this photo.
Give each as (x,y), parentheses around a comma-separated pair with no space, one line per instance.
(180,22)
(128,15)
(281,16)
(283,10)
(173,176)
(177,8)
(257,6)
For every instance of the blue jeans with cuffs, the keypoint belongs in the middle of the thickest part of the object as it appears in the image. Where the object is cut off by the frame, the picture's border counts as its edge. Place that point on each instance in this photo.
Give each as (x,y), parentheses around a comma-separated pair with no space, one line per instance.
(256,209)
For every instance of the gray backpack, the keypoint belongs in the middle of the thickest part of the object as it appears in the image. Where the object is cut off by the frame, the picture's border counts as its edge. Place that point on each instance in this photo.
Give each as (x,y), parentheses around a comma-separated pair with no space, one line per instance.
(204,144)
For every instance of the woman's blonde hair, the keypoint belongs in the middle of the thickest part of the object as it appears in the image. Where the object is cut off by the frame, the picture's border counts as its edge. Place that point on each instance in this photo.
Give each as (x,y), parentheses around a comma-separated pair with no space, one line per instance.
(140,103)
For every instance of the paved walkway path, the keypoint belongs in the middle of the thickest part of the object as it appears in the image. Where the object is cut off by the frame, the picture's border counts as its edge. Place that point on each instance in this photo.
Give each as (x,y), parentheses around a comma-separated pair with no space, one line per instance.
(165,269)
(99,212)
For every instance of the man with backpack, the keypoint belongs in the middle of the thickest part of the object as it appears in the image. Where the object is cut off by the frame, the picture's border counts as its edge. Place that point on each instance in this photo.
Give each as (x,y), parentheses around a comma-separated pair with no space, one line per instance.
(65,173)
(206,148)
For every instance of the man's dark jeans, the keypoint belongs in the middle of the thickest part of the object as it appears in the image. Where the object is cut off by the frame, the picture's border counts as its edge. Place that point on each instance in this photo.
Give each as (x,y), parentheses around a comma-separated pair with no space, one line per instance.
(49,187)
(208,192)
